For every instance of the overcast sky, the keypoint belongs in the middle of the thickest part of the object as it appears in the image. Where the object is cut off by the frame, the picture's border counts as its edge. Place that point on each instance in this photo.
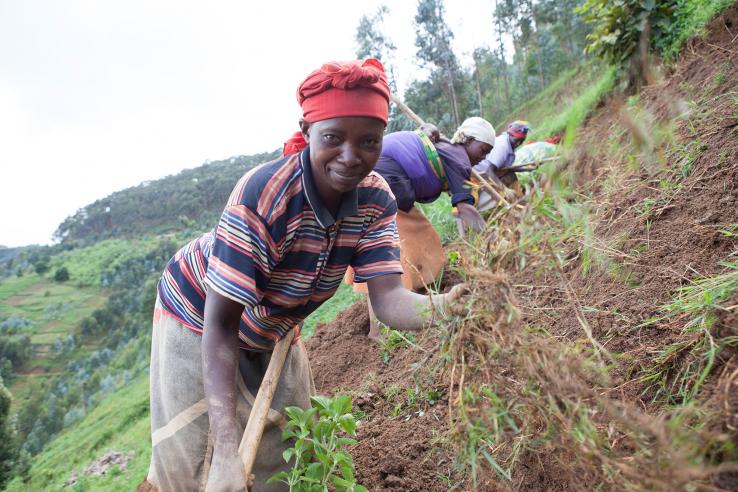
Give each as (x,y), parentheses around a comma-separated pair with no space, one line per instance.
(97,96)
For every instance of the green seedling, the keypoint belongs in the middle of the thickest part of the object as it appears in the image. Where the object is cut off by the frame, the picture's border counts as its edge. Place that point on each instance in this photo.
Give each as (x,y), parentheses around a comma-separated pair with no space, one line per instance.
(320,459)
(392,340)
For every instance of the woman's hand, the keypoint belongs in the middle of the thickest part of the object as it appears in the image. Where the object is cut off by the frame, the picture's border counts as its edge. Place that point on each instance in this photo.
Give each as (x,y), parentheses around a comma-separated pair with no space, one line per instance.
(226,471)
(470,217)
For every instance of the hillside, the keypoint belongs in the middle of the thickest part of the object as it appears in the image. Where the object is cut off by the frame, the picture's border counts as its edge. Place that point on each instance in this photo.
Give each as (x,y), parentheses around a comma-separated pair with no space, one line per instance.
(193,198)
(598,349)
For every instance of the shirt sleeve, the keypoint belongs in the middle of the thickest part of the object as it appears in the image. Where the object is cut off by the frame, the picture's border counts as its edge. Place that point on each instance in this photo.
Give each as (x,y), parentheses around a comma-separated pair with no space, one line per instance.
(242,256)
(497,156)
(378,251)
(458,170)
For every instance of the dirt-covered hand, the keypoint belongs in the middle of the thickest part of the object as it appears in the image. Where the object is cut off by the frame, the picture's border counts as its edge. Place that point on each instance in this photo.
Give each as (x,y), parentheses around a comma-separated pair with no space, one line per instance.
(470,217)
(432,131)
(456,293)
(226,472)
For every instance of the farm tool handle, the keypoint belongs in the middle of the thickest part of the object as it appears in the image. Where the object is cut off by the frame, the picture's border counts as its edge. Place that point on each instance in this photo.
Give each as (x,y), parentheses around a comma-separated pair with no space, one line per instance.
(263,401)
(531,166)
(419,121)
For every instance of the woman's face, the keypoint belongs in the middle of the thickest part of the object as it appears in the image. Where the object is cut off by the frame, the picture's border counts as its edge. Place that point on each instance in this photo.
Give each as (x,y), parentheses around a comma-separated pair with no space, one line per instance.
(477,150)
(343,151)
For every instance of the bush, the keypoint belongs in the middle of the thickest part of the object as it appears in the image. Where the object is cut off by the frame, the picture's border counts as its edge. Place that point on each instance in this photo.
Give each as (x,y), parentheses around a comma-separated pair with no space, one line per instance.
(61,274)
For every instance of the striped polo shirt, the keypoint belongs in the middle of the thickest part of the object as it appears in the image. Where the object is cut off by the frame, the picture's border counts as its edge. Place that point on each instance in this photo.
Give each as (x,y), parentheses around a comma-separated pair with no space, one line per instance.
(278,251)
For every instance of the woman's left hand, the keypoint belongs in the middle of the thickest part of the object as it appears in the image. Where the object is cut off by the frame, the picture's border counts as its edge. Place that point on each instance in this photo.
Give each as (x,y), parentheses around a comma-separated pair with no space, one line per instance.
(469,215)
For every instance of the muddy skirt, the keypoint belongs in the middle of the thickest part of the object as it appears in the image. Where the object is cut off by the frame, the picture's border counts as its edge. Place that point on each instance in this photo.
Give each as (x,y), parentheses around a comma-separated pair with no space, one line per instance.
(181,448)
(421,252)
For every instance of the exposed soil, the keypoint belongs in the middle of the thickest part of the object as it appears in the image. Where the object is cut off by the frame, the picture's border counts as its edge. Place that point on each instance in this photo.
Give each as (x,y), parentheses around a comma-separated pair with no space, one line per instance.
(101,466)
(659,244)
(396,449)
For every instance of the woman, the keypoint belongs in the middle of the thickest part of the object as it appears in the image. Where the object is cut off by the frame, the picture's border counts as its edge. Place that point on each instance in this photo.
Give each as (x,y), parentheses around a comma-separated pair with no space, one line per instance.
(289,230)
(418,168)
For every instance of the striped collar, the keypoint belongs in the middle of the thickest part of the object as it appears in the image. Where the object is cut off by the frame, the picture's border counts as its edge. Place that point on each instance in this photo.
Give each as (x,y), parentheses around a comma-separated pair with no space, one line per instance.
(348,207)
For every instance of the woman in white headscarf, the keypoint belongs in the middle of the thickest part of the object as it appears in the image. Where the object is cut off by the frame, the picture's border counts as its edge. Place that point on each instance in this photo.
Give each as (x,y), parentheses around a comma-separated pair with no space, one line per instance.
(418,168)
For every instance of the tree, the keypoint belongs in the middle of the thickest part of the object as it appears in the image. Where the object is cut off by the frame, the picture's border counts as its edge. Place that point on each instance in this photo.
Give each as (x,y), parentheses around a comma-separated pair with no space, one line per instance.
(61,274)
(433,39)
(8,443)
(372,42)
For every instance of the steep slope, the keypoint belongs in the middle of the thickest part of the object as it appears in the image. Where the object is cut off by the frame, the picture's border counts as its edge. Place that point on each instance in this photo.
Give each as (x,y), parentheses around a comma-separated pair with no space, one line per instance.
(601,353)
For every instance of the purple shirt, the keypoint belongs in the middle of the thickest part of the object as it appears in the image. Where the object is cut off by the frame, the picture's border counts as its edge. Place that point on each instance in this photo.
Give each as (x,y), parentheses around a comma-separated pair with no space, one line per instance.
(404,166)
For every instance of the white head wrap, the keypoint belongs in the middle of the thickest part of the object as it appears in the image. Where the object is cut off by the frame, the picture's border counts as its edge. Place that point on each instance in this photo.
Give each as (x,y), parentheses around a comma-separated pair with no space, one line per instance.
(477,128)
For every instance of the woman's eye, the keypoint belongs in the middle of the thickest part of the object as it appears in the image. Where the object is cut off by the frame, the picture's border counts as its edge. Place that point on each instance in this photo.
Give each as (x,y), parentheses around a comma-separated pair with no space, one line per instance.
(331,139)
(371,143)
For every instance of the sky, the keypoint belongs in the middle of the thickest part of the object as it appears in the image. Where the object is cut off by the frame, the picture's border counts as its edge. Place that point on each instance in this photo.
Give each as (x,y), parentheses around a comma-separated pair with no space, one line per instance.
(100,95)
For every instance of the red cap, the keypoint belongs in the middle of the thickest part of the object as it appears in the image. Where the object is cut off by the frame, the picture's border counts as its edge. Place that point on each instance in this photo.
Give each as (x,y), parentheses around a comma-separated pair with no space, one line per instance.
(351,88)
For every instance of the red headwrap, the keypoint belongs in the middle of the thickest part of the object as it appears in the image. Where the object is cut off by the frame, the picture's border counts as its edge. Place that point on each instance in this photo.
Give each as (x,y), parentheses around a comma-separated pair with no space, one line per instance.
(295,144)
(350,88)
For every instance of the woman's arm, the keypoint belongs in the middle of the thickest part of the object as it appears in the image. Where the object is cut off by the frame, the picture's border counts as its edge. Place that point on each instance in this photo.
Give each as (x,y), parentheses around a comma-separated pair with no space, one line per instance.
(401,309)
(220,354)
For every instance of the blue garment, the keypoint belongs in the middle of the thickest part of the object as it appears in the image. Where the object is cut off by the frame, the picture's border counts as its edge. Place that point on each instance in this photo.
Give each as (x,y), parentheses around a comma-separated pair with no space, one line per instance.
(278,251)
(404,166)
(501,156)
(406,149)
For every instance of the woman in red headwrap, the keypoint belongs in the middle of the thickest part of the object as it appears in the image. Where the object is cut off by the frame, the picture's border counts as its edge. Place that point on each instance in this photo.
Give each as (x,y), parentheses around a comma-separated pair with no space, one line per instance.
(288,232)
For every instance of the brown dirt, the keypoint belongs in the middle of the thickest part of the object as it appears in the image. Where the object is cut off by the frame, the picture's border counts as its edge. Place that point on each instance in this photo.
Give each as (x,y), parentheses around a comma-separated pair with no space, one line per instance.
(677,241)
(395,449)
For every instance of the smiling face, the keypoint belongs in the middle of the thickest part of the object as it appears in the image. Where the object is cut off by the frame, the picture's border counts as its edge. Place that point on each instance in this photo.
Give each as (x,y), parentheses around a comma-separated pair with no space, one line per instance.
(477,150)
(343,151)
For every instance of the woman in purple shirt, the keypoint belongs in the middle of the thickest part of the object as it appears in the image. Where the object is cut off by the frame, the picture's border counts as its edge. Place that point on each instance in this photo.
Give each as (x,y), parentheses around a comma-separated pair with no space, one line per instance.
(418,169)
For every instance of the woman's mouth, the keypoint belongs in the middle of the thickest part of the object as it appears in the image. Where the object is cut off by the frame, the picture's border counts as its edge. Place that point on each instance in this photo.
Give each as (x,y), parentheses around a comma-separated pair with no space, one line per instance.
(346,177)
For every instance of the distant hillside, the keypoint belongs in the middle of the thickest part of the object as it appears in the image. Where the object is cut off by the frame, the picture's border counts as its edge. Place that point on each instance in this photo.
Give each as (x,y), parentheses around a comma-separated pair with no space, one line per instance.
(192,198)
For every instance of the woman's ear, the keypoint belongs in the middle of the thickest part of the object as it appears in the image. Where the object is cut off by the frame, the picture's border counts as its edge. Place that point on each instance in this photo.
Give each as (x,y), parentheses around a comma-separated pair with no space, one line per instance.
(305,129)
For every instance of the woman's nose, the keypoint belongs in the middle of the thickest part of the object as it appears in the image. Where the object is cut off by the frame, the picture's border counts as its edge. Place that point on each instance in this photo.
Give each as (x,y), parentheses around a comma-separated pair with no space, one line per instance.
(349,155)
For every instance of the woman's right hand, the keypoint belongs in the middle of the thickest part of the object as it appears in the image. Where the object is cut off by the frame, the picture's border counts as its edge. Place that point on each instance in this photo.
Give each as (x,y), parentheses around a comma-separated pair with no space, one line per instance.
(226,471)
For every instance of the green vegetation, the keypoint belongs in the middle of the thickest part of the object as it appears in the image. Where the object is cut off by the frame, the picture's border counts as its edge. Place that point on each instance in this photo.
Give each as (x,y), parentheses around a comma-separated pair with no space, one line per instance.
(392,340)
(663,25)
(321,459)
(120,422)
(344,297)
(679,369)
(75,345)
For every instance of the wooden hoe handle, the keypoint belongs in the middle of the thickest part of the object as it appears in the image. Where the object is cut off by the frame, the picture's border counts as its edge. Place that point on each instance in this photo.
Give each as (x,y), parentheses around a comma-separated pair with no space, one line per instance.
(259,411)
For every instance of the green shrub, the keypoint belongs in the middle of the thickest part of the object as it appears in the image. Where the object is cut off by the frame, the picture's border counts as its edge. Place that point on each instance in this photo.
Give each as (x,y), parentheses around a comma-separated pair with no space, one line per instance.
(61,274)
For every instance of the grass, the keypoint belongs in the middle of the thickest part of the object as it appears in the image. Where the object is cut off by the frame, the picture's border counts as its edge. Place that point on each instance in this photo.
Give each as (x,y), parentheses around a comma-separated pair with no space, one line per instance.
(344,297)
(549,103)
(85,265)
(54,309)
(680,368)
(121,423)
(569,115)
(697,13)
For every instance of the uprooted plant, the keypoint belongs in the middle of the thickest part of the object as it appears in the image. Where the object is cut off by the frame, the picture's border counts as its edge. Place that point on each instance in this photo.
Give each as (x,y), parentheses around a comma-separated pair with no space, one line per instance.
(321,461)
(518,393)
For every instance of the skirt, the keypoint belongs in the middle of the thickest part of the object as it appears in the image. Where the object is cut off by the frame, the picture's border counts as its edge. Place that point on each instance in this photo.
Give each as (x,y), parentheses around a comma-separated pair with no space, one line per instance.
(421,252)
(180,444)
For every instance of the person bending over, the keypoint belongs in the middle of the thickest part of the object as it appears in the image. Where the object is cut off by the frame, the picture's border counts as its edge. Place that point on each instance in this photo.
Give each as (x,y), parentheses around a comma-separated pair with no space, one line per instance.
(288,232)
